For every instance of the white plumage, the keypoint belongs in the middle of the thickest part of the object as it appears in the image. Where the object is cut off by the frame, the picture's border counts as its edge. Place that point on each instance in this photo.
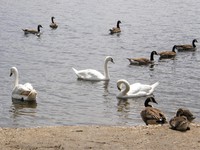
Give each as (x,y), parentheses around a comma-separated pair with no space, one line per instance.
(94,75)
(24,92)
(134,90)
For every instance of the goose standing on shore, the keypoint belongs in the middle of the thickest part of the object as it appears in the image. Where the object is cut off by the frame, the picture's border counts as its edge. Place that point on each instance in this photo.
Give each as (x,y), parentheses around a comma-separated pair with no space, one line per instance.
(22,92)
(187,47)
(32,31)
(116,29)
(168,54)
(94,75)
(134,90)
(143,61)
(53,24)
(151,115)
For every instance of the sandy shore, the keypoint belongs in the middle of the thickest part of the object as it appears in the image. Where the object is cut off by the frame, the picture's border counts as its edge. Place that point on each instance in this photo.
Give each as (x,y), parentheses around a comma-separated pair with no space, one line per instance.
(99,137)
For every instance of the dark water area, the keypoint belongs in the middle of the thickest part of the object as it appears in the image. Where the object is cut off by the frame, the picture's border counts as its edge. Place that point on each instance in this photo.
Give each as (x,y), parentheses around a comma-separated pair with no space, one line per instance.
(82,41)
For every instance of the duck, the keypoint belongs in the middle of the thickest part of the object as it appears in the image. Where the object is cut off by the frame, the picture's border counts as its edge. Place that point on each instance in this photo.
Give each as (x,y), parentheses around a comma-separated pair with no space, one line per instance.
(23,92)
(179,122)
(32,31)
(151,115)
(116,29)
(134,90)
(143,61)
(187,47)
(94,75)
(185,112)
(53,24)
(168,54)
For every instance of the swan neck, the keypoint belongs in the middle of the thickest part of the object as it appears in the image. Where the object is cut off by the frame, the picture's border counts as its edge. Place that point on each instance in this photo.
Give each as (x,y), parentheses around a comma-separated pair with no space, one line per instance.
(126,89)
(16,80)
(106,74)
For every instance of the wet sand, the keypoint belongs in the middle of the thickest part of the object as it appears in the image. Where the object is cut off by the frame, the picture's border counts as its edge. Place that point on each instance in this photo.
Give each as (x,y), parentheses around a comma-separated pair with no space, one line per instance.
(100,137)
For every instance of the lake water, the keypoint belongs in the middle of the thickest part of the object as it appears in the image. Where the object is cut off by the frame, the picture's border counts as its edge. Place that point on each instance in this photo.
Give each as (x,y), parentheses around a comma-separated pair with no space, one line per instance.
(82,41)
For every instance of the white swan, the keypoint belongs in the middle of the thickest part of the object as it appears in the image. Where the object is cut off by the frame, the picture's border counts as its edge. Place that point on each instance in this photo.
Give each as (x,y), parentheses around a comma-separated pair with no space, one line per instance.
(94,75)
(22,92)
(134,90)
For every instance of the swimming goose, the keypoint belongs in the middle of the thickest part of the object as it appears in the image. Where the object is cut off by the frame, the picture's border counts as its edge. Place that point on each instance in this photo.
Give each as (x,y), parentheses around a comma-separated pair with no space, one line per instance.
(32,31)
(94,75)
(151,115)
(116,29)
(168,54)
(188,47)
(179,122)
(22,92)
(53,25)
(134,90)
(186,113)
(143,61)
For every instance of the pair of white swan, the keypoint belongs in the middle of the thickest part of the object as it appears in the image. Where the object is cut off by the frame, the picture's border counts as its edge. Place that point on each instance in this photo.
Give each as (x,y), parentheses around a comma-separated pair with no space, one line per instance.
(22,92)
(130,91)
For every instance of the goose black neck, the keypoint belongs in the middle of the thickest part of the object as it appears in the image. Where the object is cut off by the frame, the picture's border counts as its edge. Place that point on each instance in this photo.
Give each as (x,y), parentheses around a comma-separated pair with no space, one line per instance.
(173,49)
(52,20)
(146,103)
(152,56)
(38,28)
(118,24)
(193,43)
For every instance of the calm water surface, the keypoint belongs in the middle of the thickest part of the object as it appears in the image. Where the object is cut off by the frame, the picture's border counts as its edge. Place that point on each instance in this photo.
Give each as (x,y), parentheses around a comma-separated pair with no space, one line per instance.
(82,41)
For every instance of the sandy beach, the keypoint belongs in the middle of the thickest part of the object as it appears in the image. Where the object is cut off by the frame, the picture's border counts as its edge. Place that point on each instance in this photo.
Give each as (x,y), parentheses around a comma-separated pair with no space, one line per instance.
(153,137)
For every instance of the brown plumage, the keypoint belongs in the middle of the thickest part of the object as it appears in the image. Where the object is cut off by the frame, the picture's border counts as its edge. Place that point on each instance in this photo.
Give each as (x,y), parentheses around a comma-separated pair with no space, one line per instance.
(152,115)
(168,54)
(187,47)
(186,113)
(182,120)
(53,25)
(32,31)
(116,29)
(179,123)
(143,61)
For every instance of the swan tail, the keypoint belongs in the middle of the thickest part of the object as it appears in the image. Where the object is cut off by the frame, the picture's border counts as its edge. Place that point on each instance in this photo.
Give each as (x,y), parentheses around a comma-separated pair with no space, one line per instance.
(155,85)
(32,95)
(76,71)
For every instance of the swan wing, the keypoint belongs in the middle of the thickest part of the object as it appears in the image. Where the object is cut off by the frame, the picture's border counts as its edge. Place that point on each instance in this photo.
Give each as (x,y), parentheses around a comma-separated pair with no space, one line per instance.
(89,74)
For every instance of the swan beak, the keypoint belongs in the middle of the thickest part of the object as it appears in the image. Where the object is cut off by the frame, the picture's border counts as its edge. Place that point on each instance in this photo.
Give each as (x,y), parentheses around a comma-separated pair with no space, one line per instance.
(10,74)
(112,61)
(119,88)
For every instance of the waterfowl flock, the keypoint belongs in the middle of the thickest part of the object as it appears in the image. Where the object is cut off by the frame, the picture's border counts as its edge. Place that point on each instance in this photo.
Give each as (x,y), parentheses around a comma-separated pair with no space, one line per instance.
(150,114)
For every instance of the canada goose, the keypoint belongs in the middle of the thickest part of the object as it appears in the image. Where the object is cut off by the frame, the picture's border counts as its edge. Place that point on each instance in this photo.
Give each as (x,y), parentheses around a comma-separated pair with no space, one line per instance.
(32,31)
(152,115)
(168,54)
(143,61)
(186,113)
(188,47)
(116,29)
(53,25)
(180,122)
